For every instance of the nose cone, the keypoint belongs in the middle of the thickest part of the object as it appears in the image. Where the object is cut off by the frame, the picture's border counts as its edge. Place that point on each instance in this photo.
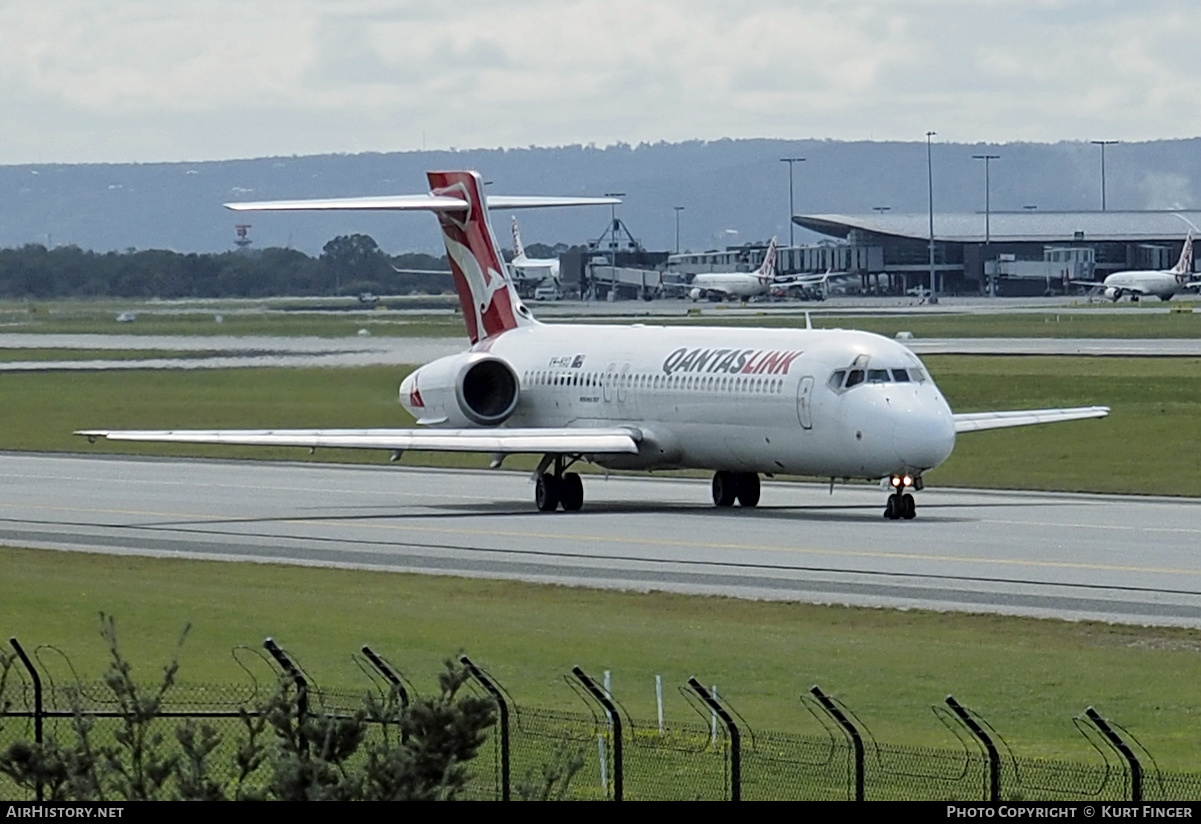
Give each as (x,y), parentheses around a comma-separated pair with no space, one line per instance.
(924,436)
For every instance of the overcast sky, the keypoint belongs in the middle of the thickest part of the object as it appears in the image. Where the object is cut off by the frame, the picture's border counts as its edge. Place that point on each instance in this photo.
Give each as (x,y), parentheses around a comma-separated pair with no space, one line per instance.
(149,80)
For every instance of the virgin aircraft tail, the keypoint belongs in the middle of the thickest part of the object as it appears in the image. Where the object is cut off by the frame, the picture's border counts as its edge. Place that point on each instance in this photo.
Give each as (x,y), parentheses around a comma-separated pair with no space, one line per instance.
(518,249)
(1183,270)
(489,301)
(767,270)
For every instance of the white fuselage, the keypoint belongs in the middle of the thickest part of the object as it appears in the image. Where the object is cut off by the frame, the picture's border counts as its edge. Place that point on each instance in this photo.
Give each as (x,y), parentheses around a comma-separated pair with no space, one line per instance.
(741,285)
(753,400)
(536,270)
(1150,283)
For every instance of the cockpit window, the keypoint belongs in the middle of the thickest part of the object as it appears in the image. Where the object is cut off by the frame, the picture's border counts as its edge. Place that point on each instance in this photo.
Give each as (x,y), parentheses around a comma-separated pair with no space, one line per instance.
(842,380)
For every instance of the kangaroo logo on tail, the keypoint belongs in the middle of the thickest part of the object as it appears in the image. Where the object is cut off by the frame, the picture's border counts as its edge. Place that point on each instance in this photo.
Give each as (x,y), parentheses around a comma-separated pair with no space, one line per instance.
(490,304)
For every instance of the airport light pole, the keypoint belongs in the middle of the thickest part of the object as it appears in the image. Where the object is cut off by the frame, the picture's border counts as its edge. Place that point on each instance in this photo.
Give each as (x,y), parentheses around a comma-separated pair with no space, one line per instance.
(1103,144)
(930,182)
(987,158)
(678,210)
(791,208)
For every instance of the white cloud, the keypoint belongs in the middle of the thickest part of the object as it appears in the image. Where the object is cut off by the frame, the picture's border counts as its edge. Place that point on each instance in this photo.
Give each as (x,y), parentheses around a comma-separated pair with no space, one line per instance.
(145,80)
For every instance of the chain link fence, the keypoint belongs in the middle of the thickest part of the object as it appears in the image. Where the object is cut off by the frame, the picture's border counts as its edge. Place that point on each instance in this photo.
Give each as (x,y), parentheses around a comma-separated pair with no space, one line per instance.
(602,753)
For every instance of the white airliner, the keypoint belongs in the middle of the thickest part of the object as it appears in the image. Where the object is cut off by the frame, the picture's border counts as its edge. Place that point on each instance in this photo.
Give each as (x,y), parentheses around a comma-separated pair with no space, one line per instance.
(718,286)
(1161,283)
(537,270)
(738,401)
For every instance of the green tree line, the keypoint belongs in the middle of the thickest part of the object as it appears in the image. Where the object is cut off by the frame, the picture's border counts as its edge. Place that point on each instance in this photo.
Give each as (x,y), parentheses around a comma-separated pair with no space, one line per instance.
(348,265)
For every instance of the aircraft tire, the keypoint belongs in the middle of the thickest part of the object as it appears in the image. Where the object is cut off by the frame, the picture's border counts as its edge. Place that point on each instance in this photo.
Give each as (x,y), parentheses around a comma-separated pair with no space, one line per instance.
(725,488)
(571,492)
(908,507)
(546,493)
(748,489)
(892,510)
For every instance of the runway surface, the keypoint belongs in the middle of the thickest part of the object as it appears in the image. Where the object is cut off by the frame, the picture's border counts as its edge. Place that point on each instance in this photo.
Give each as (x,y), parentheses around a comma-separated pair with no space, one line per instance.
(1121,559)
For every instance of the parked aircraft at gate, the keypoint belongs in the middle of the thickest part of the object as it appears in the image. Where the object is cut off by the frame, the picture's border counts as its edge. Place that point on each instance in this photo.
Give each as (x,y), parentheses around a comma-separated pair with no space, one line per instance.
(738,401)
(718,286)
(538,270)
(1161,283)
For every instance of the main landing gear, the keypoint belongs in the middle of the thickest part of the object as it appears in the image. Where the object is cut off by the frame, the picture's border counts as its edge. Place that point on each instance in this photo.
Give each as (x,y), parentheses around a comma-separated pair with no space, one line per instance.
(731,486)
(558,488)
(900,503)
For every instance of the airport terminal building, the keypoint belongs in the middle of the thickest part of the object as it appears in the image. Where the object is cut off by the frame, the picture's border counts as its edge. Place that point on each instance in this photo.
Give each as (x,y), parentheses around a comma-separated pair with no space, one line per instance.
(1003,253)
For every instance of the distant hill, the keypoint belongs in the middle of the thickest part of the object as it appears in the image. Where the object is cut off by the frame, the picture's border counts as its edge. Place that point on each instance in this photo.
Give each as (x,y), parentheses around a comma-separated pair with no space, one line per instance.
(732,191)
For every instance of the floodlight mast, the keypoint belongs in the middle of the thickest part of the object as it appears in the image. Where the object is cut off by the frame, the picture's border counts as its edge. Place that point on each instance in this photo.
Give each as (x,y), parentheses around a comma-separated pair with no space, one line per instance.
(930,183)
(1103,144)
(791,208)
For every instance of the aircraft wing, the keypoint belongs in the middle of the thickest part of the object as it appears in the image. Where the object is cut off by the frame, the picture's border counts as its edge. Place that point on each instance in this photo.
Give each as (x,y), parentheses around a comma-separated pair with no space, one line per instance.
(976,421)
(508,441)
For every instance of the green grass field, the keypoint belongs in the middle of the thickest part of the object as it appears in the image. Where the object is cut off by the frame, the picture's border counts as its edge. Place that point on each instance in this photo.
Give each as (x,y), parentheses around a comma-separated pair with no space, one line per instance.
(1158,398)
(283,319)
(1028,677)
(1129,322)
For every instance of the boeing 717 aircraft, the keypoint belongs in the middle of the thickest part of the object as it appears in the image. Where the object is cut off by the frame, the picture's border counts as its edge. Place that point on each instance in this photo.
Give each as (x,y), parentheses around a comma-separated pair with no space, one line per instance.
(740,402)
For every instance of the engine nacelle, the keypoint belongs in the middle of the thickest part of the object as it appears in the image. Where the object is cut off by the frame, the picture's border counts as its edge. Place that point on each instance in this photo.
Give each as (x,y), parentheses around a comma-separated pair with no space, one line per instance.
(472,389)
(1112,294)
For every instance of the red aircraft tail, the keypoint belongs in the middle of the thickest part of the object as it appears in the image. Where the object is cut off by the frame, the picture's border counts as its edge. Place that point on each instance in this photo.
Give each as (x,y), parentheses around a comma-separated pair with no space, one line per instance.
(490,304)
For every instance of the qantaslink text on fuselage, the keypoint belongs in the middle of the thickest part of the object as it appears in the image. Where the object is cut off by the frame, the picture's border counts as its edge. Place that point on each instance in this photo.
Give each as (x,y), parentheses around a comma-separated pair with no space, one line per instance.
(730,361)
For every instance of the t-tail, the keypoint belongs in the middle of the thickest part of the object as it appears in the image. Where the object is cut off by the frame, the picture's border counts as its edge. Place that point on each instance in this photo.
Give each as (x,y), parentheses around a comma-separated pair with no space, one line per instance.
(767,270)
(1183,270)
(490,303)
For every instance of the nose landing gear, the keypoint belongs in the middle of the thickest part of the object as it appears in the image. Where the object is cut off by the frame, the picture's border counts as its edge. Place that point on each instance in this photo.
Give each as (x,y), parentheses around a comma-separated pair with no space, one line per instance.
(901,505)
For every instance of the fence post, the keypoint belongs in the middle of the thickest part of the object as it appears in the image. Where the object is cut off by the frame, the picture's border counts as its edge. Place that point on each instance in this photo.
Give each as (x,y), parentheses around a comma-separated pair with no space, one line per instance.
(503,708)
(599,694)
(732,729)
(994,758)
(37,702)
(302,687)
(848,728)
(1115,741)
(388,673)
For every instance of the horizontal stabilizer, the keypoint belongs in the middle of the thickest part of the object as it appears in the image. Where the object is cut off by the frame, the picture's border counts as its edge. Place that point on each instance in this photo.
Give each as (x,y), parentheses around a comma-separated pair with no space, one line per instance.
(509,441)
(976,421)
(402,203)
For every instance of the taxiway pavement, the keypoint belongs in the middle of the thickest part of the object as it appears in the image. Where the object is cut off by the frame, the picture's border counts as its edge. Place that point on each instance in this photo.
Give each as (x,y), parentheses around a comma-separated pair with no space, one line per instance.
(1112,558)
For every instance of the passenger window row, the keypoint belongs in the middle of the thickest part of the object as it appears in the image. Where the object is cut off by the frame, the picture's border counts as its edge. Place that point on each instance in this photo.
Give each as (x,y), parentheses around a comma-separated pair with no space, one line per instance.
(678,383)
